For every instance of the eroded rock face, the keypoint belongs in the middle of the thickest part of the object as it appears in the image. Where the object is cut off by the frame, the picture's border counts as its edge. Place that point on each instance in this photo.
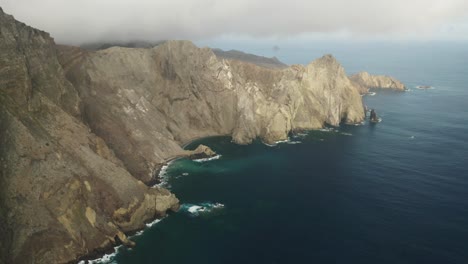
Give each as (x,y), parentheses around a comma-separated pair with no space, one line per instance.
(365,81)
(82,131)
(145,103)
(63,193)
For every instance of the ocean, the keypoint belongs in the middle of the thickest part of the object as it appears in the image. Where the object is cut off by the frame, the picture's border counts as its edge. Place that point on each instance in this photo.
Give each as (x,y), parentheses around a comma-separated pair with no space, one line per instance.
(393,192)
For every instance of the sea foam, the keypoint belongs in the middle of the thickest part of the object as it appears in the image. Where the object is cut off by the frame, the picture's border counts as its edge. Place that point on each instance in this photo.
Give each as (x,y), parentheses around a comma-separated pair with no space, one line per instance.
(208,159)
(163,176)
(195,210)
(106,259)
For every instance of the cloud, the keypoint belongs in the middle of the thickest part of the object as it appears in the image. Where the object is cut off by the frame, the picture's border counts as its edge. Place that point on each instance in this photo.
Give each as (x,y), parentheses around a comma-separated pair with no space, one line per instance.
(78,21)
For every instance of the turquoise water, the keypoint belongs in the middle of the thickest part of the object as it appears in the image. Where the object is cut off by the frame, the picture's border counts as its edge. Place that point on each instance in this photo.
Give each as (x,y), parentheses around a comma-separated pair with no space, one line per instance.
(395,192)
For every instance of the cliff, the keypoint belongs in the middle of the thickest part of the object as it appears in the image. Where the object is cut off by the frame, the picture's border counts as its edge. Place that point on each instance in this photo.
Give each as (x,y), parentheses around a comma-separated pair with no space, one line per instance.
(365,81)
(145,103)
(63,193)
(83,131)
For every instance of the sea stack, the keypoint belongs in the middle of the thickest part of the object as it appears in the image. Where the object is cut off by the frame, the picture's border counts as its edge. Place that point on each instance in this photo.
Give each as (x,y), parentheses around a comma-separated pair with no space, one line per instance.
(373,116)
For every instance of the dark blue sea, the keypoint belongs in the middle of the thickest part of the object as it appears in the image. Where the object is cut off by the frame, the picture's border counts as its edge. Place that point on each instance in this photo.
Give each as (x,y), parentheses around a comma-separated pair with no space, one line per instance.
(394,192)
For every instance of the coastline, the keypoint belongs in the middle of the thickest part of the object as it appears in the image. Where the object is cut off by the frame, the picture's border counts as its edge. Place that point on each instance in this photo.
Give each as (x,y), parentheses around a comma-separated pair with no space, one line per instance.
(157,179)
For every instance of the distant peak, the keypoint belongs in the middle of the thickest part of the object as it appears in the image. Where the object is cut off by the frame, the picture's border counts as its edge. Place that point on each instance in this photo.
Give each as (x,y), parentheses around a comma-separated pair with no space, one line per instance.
(329,57)
(272,63)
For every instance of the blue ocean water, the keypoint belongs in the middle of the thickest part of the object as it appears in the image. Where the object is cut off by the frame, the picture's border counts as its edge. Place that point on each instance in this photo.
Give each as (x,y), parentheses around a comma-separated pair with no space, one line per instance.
(394,192)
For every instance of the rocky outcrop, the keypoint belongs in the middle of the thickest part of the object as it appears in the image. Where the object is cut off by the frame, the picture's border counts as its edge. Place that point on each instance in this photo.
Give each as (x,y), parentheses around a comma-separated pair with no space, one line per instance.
(63,192)
(83,131)
(365,81)
(373,116)
(201,152)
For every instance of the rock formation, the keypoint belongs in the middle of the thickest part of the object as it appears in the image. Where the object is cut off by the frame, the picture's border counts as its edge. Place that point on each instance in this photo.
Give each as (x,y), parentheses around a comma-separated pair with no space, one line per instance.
(365,81)
(81,132)
(145,103)
(63,192)
(373,116)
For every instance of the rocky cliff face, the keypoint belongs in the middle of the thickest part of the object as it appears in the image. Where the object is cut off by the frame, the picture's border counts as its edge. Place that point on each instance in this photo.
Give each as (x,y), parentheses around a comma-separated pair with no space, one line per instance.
(145,103)
(63,193)
(82,131)
(365,81)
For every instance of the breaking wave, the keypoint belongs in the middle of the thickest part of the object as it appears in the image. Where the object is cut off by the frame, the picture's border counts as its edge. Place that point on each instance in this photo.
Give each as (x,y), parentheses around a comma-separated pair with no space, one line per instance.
(208,159)
(195,210)
(106,259)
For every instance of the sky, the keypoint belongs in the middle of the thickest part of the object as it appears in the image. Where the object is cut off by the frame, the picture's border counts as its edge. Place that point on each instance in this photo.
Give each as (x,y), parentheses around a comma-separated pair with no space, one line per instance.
(281,21)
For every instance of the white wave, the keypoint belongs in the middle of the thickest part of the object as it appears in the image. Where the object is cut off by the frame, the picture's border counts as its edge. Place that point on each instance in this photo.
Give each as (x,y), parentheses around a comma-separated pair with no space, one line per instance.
(359,124)
(106,259)
(287,141)
(346,134)
(218,205)
(163,176)
(139,233)
(371,93)
(328,129)
(154,222)
(412,137)
(185,174)
(197,209)
(282,141)
(208,159)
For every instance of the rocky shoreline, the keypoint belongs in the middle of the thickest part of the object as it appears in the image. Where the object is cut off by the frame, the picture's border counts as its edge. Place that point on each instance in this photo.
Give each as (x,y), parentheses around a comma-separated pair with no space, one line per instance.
(84,132)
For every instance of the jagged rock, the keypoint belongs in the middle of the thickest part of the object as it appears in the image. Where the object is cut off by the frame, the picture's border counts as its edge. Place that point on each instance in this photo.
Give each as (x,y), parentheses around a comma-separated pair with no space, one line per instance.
(201,152)
(365,81)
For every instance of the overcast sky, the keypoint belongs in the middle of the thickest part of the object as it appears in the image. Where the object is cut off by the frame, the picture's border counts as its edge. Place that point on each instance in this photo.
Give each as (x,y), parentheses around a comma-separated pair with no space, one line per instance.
(79,21)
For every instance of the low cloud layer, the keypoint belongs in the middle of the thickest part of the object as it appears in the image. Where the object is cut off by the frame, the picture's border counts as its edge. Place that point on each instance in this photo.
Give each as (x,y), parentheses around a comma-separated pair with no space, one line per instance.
(79,21)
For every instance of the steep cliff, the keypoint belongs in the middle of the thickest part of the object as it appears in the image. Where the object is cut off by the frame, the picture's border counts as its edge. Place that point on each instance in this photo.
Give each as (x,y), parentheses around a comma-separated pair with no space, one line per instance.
(63,193)
(82,131)
(365,81)
(145,103)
